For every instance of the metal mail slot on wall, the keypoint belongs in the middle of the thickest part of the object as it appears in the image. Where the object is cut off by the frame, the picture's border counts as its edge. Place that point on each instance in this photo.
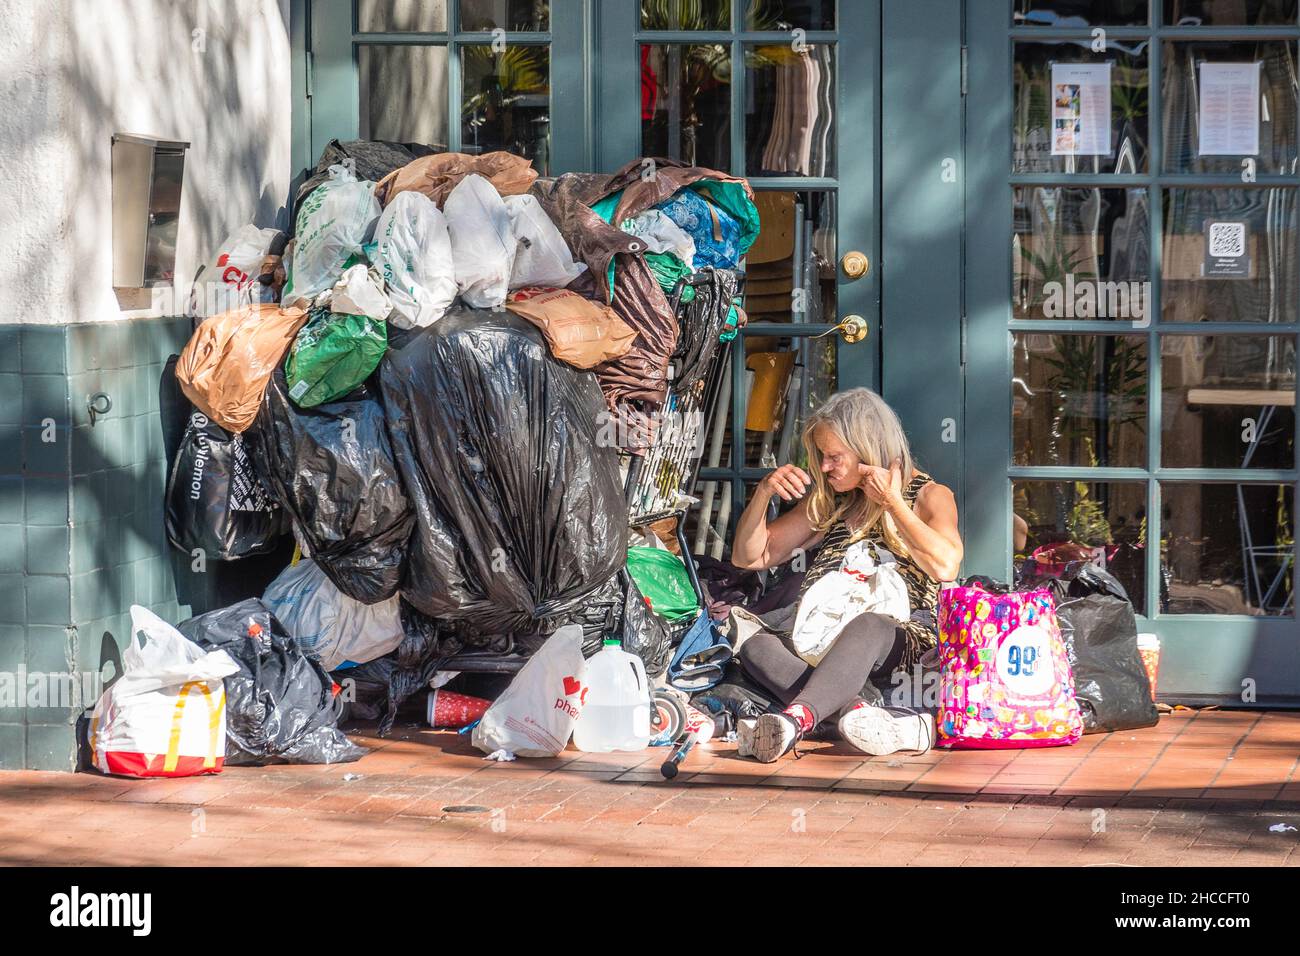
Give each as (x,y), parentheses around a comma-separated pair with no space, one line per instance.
(147,178)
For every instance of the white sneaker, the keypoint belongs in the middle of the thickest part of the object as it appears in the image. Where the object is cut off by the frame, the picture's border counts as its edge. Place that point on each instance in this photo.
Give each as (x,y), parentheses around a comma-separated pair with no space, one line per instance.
(774,736)
(885,730)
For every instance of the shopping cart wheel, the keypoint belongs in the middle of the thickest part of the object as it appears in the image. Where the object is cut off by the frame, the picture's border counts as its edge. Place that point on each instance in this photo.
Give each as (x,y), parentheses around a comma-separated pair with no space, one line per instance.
(667,715)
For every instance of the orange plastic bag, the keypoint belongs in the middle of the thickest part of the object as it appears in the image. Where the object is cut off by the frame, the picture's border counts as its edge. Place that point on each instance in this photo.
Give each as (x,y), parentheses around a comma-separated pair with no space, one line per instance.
(437,175)
(225,366)
(579,331)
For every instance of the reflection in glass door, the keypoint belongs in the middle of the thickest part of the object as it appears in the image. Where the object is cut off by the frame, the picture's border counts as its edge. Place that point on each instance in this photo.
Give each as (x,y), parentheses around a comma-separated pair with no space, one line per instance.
(464,75)
(756,88)
(1148,239)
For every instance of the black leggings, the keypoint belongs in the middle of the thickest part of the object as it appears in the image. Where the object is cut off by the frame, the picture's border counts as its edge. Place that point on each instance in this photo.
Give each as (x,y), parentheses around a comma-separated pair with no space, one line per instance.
(869,644)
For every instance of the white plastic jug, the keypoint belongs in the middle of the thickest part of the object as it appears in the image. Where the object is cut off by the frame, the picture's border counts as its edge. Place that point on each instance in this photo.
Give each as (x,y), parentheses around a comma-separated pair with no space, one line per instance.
(616,715)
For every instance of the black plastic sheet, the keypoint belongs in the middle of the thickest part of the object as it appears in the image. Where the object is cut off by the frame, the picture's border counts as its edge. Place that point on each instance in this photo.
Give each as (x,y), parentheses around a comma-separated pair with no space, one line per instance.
(280,706)
(519,514)
(332,469)
(1100,634)
(216,500)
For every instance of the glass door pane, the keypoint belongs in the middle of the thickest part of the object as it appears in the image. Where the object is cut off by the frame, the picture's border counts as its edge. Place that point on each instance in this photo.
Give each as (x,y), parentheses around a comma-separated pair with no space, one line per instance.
(403,93)
(506,101)
(686,103)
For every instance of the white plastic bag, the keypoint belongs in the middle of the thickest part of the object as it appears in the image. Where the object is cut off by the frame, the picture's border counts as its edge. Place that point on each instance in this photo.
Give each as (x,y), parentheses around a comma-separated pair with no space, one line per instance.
(860,585)
(166,715)
(332,224)
(482,242)
(414,256)
(661,234)
(543,257)
(534,716)
(230,279)
(324,621)
(360,291)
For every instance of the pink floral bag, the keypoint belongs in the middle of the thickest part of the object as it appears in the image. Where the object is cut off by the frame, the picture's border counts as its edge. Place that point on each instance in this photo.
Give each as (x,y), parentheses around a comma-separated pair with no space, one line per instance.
(1005,680)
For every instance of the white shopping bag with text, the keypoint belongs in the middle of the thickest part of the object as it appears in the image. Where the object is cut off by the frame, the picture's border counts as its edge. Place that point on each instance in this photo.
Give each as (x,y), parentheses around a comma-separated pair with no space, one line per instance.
(166,715)
(535,715)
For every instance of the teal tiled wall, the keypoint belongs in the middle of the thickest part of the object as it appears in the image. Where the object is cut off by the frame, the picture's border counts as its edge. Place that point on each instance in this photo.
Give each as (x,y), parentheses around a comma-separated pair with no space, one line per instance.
(81,514)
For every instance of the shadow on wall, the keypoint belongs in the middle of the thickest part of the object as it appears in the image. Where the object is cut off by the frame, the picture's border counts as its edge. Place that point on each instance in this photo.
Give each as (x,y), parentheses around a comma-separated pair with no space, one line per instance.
(214,73)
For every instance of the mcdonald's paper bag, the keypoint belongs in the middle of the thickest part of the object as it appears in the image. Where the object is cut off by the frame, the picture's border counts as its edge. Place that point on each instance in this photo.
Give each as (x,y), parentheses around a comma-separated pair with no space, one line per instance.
(166,715)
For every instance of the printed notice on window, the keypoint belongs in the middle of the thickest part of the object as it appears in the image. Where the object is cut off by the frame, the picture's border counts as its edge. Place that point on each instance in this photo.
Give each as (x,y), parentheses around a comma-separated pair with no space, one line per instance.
(1081,109)
(1229,115)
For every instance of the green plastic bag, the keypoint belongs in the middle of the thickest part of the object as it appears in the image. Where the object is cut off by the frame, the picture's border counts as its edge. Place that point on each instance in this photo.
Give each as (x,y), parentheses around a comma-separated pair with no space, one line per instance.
(668,270)
(663,581)
(332,355)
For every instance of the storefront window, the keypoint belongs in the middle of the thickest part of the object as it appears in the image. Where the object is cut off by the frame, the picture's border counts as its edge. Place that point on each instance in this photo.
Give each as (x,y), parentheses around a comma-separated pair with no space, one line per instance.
(1081,253)
(403,92)
(685,14)
(506,101)
(401,16)
(1249,13)
(1228,548)
(1077,111)
(790,112)
(686,103)
(790,15)
(514,15)
(1074,13)
(1229,401)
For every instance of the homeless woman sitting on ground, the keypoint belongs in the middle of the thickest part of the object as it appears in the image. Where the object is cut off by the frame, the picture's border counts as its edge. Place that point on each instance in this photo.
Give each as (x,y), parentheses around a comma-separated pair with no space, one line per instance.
(864,489)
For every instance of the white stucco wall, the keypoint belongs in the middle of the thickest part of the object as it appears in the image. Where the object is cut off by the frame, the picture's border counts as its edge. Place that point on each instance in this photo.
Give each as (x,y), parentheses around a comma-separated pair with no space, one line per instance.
(72,73)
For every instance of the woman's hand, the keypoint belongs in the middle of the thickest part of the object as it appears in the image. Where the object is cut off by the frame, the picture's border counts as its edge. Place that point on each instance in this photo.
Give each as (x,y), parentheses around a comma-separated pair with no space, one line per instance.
(789,482)
(884,486)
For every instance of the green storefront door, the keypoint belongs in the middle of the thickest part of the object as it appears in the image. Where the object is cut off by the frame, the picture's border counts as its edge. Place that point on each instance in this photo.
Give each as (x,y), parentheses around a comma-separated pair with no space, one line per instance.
(757,88)
(1132,315)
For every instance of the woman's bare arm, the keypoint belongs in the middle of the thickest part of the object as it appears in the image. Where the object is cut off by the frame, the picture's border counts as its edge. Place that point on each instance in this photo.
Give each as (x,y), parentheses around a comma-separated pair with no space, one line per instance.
(758,544)
(930,531)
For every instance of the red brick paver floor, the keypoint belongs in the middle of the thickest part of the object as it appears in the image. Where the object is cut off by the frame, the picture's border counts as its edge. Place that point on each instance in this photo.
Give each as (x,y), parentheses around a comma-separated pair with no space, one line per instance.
(1201,788)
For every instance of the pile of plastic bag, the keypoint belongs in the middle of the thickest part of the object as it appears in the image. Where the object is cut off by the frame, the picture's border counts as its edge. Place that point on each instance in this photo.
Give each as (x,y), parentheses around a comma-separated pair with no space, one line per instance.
(419,389)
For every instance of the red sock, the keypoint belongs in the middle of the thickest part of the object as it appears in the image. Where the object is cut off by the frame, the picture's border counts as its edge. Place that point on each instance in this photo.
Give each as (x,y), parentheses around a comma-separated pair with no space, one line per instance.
(801,716)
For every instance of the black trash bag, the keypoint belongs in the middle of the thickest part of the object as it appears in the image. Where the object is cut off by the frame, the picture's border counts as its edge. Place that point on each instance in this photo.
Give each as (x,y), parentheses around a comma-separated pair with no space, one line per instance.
(519,513)
(376,689)
(280,707)
(216,501)
(1100,634)
(369,159)
(331,467)
(702,320)
(644,633)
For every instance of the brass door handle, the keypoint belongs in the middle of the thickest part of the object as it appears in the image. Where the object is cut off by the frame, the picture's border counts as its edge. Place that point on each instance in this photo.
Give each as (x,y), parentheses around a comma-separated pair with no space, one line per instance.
(855,264)
(852,329)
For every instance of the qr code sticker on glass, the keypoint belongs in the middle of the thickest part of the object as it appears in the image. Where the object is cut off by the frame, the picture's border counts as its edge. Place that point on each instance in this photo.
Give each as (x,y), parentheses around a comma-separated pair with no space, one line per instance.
(1227,240)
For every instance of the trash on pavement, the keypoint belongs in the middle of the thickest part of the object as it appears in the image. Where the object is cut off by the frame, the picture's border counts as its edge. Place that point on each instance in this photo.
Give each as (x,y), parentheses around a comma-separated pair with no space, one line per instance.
(166,715)
(446,708)
(280,703)
(324,621)
(534,716)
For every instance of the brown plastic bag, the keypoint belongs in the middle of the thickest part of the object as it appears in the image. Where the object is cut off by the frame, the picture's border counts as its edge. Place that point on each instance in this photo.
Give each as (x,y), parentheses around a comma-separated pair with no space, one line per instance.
(224,367)
(438,175)
(579,331)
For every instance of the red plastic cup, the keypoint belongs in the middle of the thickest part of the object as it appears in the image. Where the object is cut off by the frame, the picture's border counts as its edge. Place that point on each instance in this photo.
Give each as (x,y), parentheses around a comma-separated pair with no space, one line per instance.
(449,709)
